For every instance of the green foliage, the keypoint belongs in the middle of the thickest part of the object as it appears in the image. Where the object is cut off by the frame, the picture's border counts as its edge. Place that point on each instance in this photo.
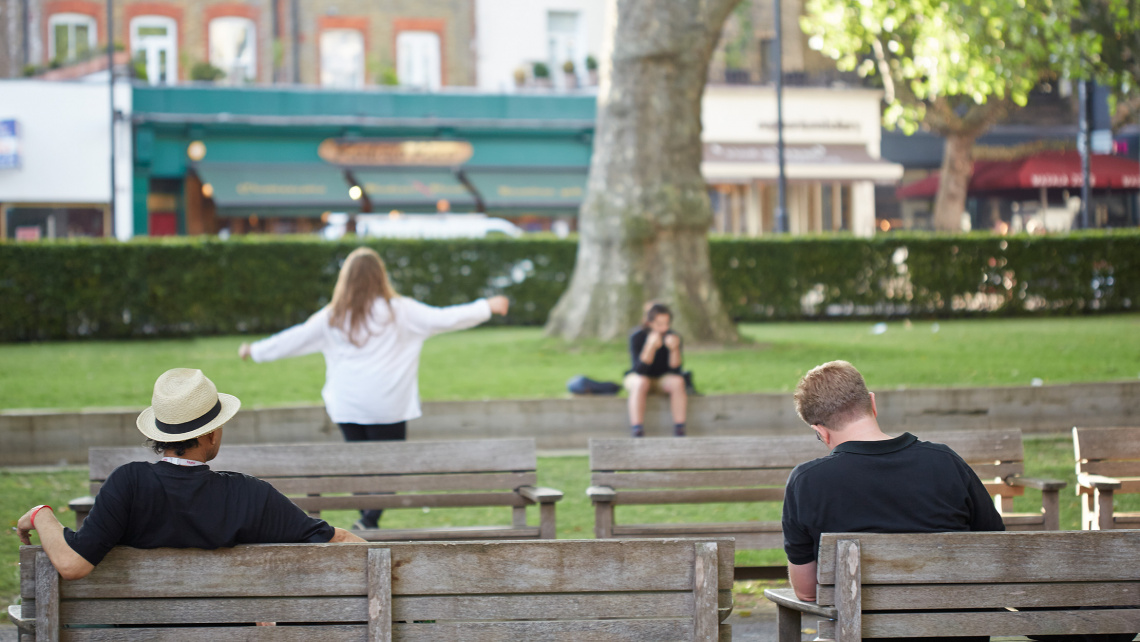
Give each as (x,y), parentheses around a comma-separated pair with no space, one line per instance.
(541,70)
(204,71)
(192,287)
(591,63)
(388,76)
(969,51)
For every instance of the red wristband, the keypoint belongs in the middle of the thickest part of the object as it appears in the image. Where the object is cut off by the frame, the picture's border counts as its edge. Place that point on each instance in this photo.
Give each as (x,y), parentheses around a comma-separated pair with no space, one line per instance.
(37,512)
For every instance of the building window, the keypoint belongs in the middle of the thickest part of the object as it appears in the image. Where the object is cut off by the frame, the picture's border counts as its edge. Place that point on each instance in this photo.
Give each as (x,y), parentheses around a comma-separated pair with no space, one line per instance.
(418,59)
(233,48)
(342,58)
(154,47)
(564,44)
(71,36)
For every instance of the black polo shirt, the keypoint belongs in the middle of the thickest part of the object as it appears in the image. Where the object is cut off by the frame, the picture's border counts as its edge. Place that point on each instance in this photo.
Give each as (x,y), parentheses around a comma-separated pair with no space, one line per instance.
(152,505)
(900,485)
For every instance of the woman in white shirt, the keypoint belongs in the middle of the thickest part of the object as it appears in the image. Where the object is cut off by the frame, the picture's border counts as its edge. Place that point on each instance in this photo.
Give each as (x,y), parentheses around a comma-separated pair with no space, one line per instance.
(371,339)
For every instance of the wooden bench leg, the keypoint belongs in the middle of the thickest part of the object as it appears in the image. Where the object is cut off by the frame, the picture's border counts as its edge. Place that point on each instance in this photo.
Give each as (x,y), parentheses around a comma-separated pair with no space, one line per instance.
(47,599)
(1103,510)
(603,520)
(788,624)
(379,577)
(547,526)
(848,591)
(1051,510)
(705,593)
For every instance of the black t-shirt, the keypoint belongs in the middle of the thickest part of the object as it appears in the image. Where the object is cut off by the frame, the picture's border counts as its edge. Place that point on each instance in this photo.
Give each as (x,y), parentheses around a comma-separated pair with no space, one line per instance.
(154,505)
(900,485)
(660,364)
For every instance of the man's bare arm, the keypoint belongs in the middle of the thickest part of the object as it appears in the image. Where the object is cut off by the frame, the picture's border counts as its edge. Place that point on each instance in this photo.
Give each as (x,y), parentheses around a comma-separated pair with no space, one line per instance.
(340,535)
(802,577)
(71,565)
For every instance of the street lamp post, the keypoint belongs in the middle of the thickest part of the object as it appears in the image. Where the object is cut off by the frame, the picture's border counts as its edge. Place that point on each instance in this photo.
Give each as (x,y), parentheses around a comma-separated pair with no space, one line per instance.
(111,93)
(782,181)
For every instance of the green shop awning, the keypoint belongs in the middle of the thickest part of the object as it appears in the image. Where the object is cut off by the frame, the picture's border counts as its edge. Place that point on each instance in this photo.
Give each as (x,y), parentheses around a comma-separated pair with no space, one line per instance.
(536,190)
(286,189)
(412,188)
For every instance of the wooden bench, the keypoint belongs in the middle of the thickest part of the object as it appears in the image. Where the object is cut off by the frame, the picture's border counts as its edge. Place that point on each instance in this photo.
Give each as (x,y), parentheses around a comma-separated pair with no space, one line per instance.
(437,591)
(960,584)
(416,474)
(1108,464)
(699,470)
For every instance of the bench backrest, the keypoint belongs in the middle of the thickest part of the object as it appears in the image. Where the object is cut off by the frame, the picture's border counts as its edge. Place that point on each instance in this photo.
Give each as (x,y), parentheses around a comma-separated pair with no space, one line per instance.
(509,590)
(1111,452)
(487,470)
(749,469)
(928,579)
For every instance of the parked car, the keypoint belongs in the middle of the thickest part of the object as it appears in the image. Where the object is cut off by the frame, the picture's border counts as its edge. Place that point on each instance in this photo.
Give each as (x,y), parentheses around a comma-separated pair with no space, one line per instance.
(423,226)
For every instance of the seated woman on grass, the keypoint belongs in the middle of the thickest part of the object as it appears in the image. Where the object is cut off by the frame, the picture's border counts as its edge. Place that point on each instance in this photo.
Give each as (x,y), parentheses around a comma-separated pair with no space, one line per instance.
(655,353)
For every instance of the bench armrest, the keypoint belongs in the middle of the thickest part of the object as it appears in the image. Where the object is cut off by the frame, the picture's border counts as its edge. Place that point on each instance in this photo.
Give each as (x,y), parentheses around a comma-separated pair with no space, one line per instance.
(601,494)
(1099,482)
(787,599)
(83,504)
(27,626)
(539,494)
(1033,482)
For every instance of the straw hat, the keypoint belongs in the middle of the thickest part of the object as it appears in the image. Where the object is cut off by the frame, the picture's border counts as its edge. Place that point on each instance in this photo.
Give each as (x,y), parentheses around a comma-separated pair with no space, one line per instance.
(185,405)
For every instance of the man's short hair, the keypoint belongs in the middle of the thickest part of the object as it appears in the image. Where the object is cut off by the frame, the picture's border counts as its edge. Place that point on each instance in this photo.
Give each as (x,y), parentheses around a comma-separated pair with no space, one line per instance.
(179,447)
(833,395)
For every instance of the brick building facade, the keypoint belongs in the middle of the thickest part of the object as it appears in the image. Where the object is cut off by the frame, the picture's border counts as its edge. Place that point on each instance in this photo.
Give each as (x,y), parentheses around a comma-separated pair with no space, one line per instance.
(345,43)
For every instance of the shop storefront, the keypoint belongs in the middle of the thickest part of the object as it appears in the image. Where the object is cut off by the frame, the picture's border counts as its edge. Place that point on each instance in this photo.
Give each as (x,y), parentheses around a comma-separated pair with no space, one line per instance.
(55,180)
(832,160)
(209,160)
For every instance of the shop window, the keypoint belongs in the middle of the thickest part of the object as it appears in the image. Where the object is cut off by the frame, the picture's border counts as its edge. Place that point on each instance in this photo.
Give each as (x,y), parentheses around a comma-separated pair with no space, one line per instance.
(564,44)
(71,36)
(233,48)
(418,59)
(342,58)
(163,224)
(35,223)
(154,47)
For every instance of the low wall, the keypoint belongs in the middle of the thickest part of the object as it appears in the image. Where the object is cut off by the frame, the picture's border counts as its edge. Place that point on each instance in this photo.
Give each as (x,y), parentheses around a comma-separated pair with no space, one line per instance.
(50,437)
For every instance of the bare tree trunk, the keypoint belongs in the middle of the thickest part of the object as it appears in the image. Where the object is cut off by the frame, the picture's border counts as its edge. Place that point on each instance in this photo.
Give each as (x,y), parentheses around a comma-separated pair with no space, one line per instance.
(957,170)
(644,223)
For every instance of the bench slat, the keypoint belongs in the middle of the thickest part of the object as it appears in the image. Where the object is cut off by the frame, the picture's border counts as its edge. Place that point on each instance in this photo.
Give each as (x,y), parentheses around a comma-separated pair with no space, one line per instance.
(451,568)
(331,633)
(1106,443)
(706,453)
(987,558)
(535,607)
(617,630)
(1000,623)
(1110,468)
(979,446)
(692,479)
(228,610)
(402,483)
(699,496)
(367,458)
(980,596)
(454,533)
(438,500)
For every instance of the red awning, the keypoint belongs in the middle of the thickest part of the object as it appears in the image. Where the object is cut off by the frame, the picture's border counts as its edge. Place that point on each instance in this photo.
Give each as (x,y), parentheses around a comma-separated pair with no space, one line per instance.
(1049,170)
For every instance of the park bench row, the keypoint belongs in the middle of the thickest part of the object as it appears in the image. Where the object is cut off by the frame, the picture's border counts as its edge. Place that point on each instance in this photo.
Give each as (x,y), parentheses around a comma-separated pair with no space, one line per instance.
(631,472)
(416,591)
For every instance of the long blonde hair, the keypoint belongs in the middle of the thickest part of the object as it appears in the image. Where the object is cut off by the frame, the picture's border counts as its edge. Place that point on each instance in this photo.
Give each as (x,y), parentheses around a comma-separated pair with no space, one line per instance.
(363,279)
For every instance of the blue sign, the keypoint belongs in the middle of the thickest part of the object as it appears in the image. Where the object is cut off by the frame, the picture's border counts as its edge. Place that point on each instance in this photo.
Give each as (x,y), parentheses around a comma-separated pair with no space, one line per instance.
(9,144)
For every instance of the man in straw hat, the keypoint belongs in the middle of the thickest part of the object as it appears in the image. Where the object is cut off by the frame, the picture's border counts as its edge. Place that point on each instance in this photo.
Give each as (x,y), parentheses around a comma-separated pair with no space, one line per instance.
(177,502)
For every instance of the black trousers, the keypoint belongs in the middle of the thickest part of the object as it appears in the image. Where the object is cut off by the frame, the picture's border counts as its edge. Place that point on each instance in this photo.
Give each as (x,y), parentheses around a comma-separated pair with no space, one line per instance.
(374,432)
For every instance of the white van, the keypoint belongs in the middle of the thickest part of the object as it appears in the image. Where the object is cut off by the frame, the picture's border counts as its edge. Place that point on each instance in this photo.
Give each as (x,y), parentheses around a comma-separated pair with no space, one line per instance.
(423,226)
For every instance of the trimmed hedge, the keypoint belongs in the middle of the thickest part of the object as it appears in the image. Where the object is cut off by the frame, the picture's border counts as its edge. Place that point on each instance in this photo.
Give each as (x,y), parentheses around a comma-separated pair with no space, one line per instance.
(181,287)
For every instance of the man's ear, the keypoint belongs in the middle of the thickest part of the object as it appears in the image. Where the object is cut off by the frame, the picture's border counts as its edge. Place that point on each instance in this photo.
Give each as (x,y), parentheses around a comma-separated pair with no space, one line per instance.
(874,409)
(821,434)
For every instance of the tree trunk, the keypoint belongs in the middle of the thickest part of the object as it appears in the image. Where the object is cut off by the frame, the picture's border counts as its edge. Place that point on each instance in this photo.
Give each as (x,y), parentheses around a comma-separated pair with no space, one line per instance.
(957,170)
(644,223)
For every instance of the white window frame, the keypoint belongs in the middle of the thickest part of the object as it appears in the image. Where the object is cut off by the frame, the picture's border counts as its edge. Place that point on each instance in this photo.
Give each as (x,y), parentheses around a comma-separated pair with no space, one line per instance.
(328,77)
(560,40)
(72,20)
(153,44)
(247,62)
(409,45)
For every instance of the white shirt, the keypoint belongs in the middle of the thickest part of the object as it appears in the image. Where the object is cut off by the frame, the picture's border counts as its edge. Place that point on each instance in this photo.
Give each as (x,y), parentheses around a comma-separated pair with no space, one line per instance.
(378,382)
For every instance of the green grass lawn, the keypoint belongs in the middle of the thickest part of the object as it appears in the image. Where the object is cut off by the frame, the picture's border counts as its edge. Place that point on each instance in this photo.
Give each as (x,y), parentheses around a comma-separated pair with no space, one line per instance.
(497,363)
(1045,457)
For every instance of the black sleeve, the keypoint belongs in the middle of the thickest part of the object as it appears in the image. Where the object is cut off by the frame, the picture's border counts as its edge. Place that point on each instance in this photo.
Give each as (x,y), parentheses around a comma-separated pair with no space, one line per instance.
(636,345)
(107,522)
(799,545)
(983,514)
(283,522)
